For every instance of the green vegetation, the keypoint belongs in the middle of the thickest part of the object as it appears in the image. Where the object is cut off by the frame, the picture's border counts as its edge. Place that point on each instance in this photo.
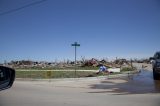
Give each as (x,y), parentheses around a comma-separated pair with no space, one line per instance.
(62,73)
(52,74)
(127,69)
(58,68)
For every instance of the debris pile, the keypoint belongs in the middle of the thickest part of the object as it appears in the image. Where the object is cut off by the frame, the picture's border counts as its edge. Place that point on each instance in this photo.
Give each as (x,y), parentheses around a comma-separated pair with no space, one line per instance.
(118,63)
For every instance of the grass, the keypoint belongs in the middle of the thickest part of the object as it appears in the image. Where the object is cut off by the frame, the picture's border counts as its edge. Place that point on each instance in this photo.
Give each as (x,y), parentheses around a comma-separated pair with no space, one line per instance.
(45,74)
(124,69)
(57,68)
(52,74)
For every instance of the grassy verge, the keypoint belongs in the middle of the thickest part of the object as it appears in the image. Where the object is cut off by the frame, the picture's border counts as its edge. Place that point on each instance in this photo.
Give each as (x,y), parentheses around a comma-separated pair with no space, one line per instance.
(45,74)
(52,74)
(57,68)
(124,69)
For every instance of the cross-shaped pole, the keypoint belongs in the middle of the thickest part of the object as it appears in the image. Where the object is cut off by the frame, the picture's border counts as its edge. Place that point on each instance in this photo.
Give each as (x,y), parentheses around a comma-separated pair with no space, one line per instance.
(75,45)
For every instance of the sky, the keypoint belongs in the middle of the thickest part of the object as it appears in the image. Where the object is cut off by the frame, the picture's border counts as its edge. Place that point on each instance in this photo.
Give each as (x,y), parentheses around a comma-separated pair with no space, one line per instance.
(103,28)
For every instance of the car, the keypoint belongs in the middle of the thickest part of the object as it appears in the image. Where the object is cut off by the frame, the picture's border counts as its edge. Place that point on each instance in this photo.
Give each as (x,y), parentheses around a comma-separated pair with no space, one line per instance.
(7,77)
(156,65)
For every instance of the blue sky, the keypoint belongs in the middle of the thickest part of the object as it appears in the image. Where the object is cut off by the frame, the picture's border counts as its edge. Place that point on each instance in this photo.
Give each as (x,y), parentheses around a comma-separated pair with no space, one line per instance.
(104,28)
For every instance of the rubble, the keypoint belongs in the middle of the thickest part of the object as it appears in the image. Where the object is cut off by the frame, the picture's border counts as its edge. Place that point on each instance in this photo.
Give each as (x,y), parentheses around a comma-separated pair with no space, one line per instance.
(118,63)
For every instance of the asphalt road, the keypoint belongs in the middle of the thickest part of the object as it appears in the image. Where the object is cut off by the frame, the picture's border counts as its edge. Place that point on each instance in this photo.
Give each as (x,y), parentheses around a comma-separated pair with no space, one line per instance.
(138,90)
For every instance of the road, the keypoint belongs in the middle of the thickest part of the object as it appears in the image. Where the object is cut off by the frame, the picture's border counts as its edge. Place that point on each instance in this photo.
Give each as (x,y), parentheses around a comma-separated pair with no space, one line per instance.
(138,90)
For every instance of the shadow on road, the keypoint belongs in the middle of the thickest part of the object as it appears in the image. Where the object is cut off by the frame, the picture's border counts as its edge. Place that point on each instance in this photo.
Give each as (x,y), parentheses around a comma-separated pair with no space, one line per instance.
(141,83)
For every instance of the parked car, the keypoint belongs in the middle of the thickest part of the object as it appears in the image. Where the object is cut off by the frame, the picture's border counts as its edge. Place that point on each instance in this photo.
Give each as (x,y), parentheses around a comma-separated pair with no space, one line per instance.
(7,76)
(156,65)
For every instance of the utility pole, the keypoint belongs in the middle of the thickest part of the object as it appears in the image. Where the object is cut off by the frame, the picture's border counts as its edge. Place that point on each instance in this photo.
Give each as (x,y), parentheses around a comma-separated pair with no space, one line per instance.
(75,45)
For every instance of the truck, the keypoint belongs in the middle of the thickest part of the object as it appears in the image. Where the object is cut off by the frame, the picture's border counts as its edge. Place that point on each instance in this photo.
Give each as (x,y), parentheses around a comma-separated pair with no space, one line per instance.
(155,60)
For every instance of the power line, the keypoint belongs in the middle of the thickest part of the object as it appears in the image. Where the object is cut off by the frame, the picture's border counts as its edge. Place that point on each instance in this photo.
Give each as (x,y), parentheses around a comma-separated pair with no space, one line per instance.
(25,6)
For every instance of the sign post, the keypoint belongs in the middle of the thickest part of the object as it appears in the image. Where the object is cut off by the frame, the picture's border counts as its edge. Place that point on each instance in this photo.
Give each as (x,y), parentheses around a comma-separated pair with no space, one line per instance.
(75,45)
